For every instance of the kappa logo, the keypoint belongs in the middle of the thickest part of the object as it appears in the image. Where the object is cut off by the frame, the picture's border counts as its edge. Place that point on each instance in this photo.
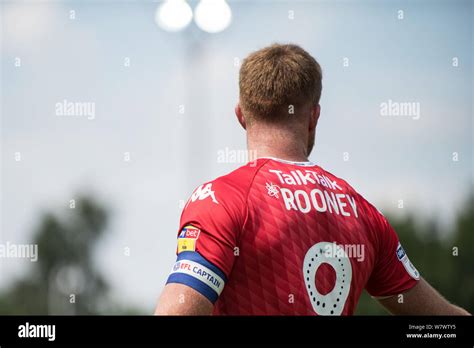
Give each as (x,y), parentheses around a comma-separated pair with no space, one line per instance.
(203,192)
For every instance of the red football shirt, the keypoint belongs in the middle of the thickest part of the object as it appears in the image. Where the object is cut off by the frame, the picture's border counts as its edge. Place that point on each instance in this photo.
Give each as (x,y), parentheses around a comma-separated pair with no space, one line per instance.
(287,238)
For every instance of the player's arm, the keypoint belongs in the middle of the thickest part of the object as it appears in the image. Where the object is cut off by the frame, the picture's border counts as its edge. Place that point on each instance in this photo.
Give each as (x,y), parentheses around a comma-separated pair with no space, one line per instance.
(209,228)
(422,299)
(397,284)
(180,299)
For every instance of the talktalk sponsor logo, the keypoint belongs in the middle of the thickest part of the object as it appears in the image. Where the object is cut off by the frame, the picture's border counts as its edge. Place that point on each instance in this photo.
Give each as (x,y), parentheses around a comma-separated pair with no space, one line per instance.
(298,177)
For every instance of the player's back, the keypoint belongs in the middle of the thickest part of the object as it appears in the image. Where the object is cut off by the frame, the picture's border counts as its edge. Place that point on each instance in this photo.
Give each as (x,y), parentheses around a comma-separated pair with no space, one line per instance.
(289,238)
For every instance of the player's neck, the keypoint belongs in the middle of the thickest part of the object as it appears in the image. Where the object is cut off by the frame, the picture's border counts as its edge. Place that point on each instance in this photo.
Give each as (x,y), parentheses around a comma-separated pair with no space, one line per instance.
(277,143)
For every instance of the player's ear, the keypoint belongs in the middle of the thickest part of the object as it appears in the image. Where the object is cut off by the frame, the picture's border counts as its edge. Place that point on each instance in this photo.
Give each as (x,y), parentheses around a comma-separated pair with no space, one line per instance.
(313,121)
(240,116)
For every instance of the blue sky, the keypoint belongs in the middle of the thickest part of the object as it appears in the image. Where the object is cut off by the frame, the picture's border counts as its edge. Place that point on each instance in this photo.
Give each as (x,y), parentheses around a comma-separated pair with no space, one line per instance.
(137,111)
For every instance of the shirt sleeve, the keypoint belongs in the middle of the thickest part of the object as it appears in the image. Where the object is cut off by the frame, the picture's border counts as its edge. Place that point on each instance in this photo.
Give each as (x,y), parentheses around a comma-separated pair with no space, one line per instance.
(393,272)
(208,237)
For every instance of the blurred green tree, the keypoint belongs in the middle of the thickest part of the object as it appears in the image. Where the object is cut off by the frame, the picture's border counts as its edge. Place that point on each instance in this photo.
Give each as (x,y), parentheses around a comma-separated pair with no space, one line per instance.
(64,279)
(445,260)
(461,283)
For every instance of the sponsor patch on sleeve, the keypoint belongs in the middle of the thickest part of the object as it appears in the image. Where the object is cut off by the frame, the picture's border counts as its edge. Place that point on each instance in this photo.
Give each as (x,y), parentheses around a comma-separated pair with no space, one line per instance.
(403,258)
(193,270)
(187,238)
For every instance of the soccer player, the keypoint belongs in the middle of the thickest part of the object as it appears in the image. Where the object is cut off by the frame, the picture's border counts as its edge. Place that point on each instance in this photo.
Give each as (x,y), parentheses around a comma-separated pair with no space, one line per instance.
(281,235)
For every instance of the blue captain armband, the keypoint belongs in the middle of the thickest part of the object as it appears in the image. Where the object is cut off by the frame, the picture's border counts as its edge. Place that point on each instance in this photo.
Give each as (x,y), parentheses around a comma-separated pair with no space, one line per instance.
(195,271)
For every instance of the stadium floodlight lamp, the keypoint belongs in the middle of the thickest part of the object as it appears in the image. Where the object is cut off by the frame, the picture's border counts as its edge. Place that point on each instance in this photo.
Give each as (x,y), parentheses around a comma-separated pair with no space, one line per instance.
(212,16)
(174,15)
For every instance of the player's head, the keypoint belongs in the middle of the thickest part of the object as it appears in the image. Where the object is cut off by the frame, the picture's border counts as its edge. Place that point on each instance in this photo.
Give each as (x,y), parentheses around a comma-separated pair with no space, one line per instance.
(280,86)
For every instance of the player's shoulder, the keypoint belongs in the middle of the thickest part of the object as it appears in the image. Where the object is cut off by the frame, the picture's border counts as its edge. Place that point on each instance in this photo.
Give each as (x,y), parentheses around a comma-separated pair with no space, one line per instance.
(369,208)
(242,176)
(233,186)
(336,181)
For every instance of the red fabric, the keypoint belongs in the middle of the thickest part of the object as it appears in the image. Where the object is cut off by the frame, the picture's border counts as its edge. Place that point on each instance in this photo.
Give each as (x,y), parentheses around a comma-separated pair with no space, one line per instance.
(260,242)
